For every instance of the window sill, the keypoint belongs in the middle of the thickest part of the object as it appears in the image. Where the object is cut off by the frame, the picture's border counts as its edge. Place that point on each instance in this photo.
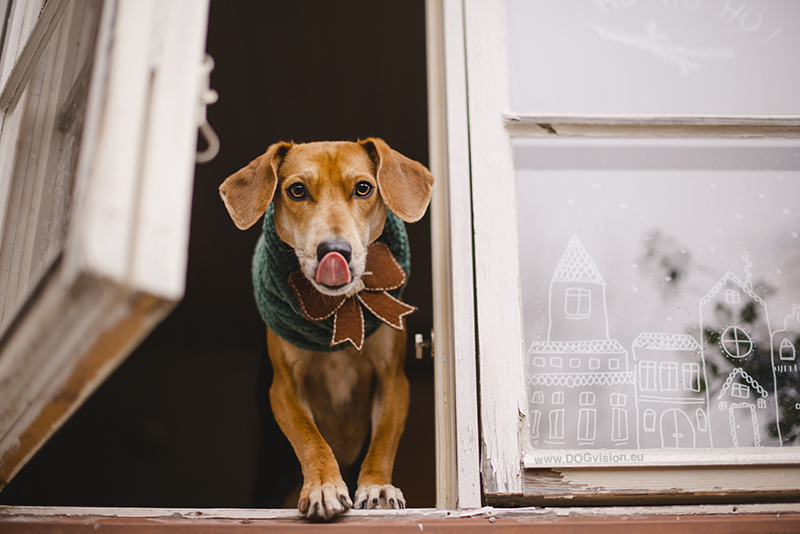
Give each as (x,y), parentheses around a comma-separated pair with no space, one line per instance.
(754,519)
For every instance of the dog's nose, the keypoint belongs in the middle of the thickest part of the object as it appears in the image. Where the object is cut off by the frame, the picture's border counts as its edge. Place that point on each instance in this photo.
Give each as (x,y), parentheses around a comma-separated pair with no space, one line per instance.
(335,245)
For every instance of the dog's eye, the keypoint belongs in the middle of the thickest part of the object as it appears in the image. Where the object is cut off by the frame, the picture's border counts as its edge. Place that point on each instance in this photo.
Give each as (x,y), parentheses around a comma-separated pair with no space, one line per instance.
(296,191)
(363,189)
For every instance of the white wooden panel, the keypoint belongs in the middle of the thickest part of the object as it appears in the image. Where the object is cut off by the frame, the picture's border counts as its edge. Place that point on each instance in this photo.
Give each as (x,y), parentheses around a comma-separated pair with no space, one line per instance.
(500,340)
(109,174)
(27,60)
(40,182)
(89,310)
(210,518)
(21,20)
(162,231)
(458,461)
(441,348)
(30,179)
(683,126)
(675,484)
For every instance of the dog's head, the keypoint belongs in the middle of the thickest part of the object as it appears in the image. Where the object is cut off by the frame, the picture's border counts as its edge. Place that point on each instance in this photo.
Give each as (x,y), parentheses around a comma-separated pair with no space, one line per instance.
(330,202)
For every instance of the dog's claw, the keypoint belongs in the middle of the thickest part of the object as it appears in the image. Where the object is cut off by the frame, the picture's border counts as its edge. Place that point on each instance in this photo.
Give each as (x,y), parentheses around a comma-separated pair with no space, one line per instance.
(324,502)
(303,506)
(380,497)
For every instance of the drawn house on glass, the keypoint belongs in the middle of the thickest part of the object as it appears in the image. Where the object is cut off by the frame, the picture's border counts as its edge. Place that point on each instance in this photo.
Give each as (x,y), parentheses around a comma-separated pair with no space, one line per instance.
(671,395)
(580,387)
(732,318)
(784,348)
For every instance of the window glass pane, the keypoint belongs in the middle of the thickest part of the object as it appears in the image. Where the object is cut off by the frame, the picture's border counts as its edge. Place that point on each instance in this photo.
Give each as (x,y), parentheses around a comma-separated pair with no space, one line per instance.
(667,273)
(40,193)
(686,57)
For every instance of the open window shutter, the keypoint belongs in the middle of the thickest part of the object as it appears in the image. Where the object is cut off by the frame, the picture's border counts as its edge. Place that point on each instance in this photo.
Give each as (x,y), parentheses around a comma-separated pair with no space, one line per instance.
(97,152)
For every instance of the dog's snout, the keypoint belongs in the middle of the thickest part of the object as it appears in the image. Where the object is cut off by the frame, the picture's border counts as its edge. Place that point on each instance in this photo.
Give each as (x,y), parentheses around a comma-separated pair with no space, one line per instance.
(336,245)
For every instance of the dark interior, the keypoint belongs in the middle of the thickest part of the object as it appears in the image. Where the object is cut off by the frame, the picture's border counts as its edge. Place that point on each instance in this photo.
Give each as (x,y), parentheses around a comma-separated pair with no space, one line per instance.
(177,424)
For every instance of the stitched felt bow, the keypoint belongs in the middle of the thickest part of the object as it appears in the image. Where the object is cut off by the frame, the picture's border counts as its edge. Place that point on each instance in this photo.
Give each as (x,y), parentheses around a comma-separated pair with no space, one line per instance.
(382,274)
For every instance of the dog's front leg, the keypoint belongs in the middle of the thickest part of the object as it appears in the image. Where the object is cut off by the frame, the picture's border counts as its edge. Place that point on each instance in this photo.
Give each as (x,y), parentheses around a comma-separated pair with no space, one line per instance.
(324,493)
(386,348)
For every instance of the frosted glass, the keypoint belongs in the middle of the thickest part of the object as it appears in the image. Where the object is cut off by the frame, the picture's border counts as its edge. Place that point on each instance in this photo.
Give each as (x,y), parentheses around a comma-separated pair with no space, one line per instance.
(685,57)
(660,292)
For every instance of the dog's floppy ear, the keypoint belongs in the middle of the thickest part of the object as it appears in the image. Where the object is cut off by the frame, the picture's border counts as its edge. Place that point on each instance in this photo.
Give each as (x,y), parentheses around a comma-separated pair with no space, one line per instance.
(247,193)
(404,184)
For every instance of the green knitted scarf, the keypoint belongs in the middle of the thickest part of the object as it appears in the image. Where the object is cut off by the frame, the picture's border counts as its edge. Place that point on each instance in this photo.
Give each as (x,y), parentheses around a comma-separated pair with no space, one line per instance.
(274,261)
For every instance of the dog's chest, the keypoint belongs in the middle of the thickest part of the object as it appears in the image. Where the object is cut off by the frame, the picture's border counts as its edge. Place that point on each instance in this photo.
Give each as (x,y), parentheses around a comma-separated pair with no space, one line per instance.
(339,376)
(339,390)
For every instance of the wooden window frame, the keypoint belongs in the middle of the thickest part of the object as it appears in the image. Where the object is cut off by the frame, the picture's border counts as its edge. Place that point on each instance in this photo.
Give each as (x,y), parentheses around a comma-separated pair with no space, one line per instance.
(122,266)
(508,477)
(468,163)
(754,519)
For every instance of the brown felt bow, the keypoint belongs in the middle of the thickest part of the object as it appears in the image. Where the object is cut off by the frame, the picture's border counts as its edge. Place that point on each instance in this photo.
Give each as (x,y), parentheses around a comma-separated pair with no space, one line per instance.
(382,274)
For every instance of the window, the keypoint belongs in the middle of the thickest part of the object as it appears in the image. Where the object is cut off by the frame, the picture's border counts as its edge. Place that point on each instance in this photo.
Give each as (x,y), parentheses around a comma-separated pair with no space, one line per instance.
(537,397)
(536,422)
(619,418)
(668,376)
(557,398)
(618,399)
(577,303)
(787,350)
(610,191)
(647,376)
(735,342)
(619,423)
(740,391)
(587,398)
(95,192)
(557,424)
(587,424)
(691,376)
(649,423)
(702,420)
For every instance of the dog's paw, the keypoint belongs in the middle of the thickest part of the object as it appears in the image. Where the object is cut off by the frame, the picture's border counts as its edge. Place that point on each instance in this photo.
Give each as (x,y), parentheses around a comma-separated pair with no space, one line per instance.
(379,497)
(325,501)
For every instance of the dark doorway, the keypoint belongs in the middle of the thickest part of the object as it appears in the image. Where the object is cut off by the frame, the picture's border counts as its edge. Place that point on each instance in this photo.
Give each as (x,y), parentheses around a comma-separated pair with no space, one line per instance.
(176,425)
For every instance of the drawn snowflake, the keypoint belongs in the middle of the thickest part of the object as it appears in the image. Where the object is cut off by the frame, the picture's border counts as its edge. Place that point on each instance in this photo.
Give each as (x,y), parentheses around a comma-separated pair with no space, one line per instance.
(658,43)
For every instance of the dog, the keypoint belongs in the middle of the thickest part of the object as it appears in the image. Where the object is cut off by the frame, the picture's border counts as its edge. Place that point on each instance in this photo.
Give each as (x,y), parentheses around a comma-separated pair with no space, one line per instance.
(329,203)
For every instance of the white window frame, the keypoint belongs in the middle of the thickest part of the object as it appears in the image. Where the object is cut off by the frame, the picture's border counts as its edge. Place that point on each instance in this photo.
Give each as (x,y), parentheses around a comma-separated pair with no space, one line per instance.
(509,475)
(122,267)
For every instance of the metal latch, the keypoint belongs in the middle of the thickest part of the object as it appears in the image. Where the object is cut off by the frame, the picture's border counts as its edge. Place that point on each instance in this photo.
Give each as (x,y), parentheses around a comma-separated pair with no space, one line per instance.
(420,344)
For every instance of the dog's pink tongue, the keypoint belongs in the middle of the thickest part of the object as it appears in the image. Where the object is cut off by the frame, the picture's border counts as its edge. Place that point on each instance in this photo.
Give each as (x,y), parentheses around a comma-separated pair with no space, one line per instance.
(333,270)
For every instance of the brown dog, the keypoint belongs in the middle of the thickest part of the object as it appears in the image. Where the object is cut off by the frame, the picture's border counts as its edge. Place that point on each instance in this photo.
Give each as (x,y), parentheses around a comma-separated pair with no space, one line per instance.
(330,203)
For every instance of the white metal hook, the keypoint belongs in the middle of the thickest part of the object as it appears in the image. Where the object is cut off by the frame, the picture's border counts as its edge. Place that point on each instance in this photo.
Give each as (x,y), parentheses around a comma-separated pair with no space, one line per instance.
(207,96)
